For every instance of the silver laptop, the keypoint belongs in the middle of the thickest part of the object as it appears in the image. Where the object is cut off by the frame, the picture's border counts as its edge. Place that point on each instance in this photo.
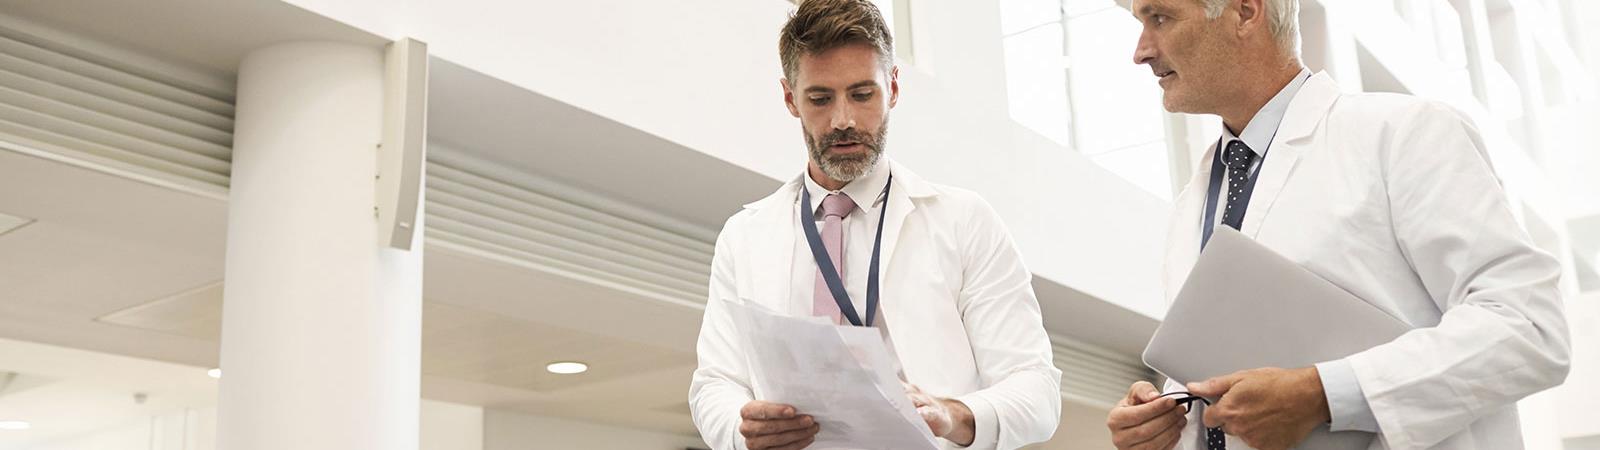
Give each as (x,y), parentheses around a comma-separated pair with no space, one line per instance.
(1245,307)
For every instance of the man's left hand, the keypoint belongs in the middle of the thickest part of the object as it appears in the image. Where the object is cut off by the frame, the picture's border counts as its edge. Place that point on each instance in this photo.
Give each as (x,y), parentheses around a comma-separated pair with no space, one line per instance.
(947,418)
(1269,408)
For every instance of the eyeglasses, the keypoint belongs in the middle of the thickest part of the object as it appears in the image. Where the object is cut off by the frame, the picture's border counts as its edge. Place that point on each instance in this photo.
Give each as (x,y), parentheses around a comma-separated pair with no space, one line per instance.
(1214,436)
(1185,399)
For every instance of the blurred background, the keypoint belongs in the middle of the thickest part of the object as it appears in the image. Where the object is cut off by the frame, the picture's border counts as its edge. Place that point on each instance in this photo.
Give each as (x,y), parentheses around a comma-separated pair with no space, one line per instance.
(582,157)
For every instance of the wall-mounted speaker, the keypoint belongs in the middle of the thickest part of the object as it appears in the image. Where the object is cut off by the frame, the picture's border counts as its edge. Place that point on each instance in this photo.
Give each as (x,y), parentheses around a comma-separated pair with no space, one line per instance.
(405,140)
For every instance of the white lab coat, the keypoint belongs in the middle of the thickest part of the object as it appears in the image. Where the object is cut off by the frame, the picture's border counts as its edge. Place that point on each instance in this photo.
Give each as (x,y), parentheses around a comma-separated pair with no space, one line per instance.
(956,298)
(1392,198)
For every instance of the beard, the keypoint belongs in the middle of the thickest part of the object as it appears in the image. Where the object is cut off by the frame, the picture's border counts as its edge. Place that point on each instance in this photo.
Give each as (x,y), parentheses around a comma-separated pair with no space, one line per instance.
(849,167)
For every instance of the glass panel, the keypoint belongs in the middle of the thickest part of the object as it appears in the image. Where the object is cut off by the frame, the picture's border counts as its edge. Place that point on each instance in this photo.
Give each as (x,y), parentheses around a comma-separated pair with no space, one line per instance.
(1036,82)
(1144,165)
(1117,104)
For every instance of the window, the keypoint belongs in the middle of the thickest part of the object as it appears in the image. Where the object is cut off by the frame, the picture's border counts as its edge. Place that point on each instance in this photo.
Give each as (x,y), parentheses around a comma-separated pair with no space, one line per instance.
(1036,67)
(1070,76)
(897,13)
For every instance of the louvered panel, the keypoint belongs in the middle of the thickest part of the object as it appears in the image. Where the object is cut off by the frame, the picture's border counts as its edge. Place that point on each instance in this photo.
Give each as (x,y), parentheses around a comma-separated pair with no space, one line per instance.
(37,50)
(445,236)
(222,140)
(524,239)
(76,149)
(58,99)
(589,243)
(1096,374)
(551,206)
(543,230)
(116,146)
(124,129)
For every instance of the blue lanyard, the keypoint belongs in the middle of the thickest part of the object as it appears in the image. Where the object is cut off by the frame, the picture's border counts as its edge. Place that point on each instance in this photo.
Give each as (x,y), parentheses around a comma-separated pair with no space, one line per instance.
(1215,189)
(830,275)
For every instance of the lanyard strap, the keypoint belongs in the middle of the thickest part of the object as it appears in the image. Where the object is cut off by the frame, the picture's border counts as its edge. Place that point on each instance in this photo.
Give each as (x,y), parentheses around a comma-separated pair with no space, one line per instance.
(830,275)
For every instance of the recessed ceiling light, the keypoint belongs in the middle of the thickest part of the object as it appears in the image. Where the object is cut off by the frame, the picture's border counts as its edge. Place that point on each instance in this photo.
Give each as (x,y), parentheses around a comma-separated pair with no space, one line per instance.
(10,222)
(14,425)
(567,367)
(214,373)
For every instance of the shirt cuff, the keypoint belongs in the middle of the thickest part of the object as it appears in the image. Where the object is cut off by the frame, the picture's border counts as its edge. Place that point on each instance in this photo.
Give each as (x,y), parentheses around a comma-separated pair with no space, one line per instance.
(985,423)
(1347,404)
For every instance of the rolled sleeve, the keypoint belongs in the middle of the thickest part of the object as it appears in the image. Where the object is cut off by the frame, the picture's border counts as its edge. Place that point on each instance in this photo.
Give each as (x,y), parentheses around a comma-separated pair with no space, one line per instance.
(1347,405)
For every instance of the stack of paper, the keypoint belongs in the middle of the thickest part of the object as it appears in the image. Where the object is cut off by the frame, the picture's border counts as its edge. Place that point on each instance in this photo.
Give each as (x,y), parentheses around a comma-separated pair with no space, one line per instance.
(840,375)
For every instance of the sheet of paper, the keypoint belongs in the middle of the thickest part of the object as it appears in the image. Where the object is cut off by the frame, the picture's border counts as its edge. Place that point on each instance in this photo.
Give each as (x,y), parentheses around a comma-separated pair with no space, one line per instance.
(840,375)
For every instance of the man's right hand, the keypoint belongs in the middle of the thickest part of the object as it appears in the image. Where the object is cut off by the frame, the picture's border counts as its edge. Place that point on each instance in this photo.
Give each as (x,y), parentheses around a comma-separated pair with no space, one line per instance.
(773,426)
(1144,420)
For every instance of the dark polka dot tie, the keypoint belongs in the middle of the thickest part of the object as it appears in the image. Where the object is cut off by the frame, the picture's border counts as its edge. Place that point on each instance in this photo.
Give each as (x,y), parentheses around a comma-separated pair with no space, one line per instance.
(1238,158)
(1215,440)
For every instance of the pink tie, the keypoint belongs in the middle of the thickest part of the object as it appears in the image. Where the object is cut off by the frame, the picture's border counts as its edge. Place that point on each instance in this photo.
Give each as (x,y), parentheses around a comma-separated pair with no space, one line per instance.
(834,208)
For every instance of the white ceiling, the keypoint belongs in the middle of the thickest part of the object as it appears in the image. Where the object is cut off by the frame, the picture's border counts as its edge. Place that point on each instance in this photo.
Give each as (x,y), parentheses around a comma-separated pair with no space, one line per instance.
(101,244)
(8,222)
(208,36)
(106,251)
(62,392)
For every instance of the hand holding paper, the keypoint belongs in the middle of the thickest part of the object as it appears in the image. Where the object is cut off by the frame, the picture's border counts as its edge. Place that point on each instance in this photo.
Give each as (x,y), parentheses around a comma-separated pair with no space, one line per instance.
(767,425)
(840,376)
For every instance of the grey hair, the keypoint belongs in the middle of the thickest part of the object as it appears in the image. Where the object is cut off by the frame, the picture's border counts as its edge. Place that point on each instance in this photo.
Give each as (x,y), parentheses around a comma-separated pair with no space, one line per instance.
(1282,21)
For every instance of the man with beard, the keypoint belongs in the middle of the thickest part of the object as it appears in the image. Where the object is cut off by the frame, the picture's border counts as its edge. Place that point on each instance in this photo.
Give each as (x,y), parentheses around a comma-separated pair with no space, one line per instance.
(949,295)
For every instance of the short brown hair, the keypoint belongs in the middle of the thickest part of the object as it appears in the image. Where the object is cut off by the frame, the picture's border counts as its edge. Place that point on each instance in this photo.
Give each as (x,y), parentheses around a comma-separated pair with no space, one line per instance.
(821,25)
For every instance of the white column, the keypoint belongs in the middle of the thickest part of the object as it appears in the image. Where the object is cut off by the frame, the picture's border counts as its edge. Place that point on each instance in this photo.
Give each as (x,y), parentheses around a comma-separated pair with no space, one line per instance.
(321,339)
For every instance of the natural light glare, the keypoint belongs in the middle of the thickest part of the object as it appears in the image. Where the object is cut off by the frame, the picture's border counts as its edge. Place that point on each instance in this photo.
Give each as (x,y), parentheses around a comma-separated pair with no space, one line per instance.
(1036,82)
(14,425)
(1102,105)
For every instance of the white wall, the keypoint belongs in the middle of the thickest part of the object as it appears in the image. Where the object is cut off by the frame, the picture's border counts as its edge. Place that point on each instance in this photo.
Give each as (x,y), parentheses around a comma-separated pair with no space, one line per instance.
(505,430)
(450,426)
(133,435)
(705,75)
(189,429)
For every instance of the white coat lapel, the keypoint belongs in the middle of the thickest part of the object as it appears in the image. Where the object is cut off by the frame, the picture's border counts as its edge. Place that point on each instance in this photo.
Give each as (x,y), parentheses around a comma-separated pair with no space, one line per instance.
(903,195)
(899,207)
(771,240)
(1309,107)
(1183,234)
(908,187)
